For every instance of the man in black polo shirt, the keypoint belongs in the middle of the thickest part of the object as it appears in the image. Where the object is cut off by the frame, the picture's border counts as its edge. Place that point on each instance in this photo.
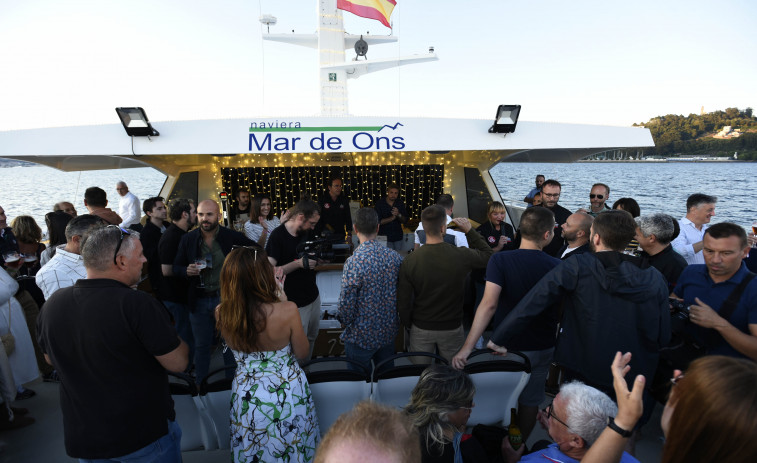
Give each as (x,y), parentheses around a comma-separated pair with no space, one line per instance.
(654,233)
(111,346)
(174,291)
(550,193)
(335,210)
(209,244)
(155,210)
(300,286)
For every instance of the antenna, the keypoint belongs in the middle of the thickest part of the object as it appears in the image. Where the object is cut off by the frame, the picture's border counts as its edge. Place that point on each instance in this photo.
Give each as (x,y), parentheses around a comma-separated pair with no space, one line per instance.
(269,20)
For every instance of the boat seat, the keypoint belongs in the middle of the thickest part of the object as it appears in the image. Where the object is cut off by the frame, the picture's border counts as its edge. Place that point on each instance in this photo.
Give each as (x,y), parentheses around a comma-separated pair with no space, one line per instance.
(335,388)
(499,382)
(215,395)
(194,424)
(392,386)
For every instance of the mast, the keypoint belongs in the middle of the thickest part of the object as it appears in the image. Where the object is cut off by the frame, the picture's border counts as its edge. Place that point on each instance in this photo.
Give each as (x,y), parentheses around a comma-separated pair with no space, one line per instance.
(331,41)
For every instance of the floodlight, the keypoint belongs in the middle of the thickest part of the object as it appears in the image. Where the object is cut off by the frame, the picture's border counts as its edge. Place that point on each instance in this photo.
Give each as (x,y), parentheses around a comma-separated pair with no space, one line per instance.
(506,120)
(136,123)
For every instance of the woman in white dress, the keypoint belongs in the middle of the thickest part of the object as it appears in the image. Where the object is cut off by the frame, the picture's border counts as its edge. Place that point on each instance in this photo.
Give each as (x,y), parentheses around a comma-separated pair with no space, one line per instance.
(272,413)
(22,361)
(262,221)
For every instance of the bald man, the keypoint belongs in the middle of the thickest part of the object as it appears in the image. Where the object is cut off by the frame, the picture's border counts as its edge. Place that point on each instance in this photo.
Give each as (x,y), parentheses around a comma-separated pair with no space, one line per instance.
(208,244)
(576,231)
(128,205)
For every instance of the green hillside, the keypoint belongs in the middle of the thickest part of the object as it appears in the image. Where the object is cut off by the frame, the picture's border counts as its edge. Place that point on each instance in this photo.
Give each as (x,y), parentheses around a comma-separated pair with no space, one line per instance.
(695,134)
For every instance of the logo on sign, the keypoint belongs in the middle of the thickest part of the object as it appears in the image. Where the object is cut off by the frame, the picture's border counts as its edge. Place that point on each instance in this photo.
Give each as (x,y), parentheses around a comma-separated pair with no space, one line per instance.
(365,138)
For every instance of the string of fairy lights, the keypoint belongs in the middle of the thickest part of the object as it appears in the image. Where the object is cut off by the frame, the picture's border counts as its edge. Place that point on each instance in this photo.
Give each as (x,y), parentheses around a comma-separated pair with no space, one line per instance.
(421,175)
(420,184)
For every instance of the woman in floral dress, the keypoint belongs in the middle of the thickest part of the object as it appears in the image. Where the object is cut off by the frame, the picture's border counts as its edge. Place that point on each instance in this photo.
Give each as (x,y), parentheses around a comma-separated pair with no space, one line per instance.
(272,412)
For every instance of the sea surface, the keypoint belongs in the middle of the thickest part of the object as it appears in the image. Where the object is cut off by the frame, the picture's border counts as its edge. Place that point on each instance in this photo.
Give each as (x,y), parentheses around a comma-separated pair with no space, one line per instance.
(657,187)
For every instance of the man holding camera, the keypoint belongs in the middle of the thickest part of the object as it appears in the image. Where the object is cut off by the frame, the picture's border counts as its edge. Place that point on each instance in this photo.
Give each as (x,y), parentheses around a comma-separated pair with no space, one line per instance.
(721,294)
(300,286)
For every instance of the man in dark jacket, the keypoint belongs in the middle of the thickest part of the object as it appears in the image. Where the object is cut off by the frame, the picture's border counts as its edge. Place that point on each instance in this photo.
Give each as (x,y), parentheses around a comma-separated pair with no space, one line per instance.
(208,244)
(611,305)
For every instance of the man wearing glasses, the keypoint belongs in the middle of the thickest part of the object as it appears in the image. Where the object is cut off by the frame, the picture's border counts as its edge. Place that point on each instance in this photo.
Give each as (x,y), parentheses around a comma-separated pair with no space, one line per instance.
(111,346)
(574,420)
(598,199)
(550,193)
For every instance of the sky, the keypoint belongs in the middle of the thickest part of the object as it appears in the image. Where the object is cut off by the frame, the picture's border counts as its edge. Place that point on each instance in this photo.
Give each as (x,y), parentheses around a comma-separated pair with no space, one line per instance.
(593,62)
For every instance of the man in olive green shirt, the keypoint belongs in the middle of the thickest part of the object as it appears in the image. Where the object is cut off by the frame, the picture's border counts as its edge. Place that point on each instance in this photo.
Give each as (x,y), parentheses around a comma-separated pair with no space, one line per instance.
(431,285)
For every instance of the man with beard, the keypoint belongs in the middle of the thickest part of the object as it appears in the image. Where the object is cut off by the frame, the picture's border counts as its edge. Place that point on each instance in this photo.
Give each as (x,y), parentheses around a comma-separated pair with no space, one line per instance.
(597,199)
(300,285)
(611,302)
(530,196)
(550,193)
(575,231)
(208,244)
(241,211)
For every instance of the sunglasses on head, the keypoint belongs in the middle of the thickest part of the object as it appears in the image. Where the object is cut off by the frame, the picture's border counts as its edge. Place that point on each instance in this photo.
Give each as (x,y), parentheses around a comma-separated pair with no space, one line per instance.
(120,240)
(596,196)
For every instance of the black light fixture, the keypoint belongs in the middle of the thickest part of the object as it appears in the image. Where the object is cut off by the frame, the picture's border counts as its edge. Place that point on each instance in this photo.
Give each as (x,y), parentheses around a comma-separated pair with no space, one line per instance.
(506,120)
(136,123)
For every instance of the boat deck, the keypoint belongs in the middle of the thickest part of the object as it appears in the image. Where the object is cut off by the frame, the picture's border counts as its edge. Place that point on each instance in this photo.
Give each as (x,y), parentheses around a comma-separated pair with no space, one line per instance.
(43,440)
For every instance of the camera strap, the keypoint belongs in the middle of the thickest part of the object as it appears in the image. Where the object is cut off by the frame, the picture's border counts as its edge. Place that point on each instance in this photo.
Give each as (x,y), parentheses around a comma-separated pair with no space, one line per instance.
(728,307)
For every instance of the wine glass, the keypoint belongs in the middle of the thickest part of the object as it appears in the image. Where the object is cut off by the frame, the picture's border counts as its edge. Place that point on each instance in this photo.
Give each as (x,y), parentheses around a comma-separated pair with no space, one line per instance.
(200,264)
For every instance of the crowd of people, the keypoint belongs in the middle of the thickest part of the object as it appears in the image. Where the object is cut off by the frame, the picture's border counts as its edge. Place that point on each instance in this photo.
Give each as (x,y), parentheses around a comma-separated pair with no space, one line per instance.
(571,288)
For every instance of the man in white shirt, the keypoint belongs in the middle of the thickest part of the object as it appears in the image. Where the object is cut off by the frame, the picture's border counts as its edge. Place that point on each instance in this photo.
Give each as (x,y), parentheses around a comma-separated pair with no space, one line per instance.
(67,266)
(700,208)
(445,201)
(128,206)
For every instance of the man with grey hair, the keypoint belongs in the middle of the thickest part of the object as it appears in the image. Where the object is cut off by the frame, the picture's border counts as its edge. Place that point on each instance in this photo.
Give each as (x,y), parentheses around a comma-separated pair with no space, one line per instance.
(128,205)
(654,233)
(368,301)
(574,420)
(700,209)
(67,265)
(111,346)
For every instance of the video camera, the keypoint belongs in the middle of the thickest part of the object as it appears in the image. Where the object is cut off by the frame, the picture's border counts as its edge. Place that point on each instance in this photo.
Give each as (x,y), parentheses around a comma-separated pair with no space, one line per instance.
(315,249)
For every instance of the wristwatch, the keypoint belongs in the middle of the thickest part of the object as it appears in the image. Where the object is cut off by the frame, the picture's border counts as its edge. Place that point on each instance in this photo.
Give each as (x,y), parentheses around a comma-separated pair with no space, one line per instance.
(611,424)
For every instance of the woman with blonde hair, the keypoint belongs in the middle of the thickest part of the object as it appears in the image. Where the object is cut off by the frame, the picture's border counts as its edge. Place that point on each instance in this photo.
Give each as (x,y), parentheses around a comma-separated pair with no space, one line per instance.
(440,406)
(272,412)
(498,233)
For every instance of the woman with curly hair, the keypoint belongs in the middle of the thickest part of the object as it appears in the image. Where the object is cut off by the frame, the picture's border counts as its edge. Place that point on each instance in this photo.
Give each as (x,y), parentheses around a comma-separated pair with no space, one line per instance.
(272,412)
(440,406)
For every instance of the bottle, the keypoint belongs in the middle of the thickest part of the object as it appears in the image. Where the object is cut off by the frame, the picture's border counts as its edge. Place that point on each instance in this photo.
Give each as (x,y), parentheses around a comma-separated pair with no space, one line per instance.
(513,432)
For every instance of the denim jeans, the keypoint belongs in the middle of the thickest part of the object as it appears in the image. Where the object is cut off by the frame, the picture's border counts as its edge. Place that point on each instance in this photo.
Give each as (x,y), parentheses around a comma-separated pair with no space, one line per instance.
(364,356)
(180,313)
(167,449)
(203,321)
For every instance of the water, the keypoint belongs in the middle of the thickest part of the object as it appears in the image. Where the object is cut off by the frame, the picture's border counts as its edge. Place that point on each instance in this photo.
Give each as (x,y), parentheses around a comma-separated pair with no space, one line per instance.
(34,190)
(657,187)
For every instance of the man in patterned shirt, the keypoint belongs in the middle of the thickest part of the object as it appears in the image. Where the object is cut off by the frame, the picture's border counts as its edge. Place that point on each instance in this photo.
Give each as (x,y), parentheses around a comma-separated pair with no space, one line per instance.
(67,266)
(368,301)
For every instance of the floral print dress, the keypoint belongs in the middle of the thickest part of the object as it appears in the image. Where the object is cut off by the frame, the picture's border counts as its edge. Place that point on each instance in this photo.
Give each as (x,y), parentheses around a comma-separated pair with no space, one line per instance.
(272,412)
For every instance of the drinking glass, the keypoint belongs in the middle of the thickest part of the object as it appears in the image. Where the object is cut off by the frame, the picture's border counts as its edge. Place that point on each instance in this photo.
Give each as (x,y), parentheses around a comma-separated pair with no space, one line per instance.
(200,263)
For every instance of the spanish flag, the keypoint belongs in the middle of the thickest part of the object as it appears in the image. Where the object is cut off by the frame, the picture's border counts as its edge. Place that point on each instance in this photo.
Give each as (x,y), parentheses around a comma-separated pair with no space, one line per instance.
(379,10)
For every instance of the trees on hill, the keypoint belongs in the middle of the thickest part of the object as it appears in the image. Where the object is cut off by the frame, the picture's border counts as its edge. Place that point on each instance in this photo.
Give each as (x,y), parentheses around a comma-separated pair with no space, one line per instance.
(692,134)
